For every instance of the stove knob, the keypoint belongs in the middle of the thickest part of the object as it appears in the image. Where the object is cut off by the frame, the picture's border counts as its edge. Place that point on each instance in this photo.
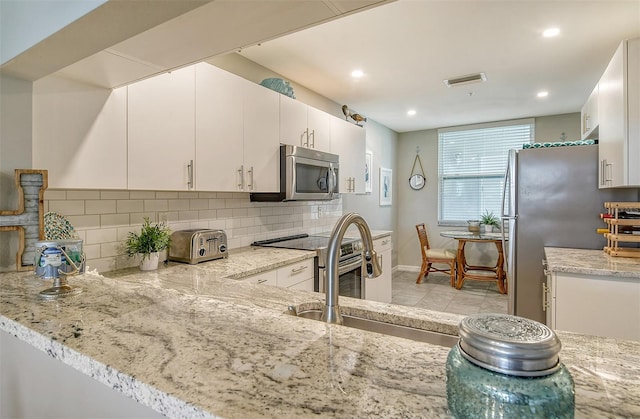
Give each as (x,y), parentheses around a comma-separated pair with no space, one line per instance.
(222,248)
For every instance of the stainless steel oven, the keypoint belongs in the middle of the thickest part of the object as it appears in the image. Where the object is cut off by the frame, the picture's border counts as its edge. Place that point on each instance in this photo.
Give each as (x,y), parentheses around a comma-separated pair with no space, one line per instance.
(351,280)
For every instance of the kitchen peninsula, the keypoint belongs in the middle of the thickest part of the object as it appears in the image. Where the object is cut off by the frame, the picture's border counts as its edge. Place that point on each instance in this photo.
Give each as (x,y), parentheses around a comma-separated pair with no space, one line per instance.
(187,341)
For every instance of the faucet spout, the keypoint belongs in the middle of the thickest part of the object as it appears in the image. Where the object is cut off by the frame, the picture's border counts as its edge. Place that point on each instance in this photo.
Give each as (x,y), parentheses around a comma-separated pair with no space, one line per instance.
(371,265)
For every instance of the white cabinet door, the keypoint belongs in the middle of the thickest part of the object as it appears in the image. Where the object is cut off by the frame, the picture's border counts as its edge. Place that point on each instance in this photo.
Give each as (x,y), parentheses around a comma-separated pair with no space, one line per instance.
(319,125)
(379,289)
(90,154)
(161,131)
(304,125)
(293,122)
(589,114)
(349,142)
(597,305)
(219,129)
(619,115)
(261,144)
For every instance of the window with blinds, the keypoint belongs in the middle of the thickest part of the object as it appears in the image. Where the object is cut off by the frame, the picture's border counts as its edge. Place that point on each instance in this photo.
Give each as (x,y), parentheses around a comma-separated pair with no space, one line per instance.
(471,168)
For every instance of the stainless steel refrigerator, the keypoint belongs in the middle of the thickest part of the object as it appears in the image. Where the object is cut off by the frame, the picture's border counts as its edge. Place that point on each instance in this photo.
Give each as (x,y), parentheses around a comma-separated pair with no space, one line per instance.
(551,198)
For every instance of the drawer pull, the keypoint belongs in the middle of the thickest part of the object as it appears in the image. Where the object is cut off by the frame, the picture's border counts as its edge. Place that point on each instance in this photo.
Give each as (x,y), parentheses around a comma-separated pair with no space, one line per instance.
(262,281)
(298,270)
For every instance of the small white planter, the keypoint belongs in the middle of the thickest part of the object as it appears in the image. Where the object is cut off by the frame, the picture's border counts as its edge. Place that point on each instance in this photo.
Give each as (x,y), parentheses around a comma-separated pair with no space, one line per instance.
(149,262)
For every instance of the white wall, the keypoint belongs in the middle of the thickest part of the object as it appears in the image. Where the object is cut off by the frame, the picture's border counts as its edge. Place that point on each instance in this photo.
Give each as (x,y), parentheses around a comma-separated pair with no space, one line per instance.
(15,153)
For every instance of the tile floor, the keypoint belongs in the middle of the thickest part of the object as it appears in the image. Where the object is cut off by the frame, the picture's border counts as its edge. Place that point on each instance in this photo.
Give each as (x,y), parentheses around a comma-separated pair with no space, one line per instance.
(436,293)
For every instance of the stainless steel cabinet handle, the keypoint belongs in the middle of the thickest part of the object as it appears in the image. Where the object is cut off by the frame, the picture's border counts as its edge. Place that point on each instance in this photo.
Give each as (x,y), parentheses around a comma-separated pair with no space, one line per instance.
(313,138)
(190,174)
(250,183)
(241,178)
(385,242)
(545,298)
(603,175)
(304,136)
(298,270)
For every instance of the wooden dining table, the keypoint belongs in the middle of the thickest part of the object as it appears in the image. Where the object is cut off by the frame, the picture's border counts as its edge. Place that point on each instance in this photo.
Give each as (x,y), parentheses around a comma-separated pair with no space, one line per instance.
(478,272)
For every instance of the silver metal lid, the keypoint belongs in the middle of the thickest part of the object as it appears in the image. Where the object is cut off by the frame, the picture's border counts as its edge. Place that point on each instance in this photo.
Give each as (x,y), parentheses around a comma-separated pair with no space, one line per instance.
(509,344)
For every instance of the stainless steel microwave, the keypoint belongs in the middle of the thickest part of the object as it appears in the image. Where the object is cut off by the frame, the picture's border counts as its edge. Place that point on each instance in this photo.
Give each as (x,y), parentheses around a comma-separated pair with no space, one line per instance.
(305,175)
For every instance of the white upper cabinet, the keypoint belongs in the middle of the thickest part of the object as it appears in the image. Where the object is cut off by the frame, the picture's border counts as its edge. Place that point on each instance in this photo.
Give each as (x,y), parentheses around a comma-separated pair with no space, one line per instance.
(161,130)
(237,146)
(303,125)
(349,142)
(589,114)
(80,134)
(219,129)
(261,144)
(619,118)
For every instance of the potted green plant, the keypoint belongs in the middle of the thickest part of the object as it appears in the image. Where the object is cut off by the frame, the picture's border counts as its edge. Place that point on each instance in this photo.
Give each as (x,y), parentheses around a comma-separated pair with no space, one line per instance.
(153,238)
(489,221)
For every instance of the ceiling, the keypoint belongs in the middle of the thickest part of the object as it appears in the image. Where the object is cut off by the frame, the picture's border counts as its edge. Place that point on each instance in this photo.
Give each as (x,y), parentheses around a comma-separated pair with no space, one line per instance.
(408,47)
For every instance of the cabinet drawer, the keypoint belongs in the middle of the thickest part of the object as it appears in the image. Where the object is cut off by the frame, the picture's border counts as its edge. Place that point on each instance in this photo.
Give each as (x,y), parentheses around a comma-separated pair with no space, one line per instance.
(295,273)
(382,244)
(306,285)
(266,278)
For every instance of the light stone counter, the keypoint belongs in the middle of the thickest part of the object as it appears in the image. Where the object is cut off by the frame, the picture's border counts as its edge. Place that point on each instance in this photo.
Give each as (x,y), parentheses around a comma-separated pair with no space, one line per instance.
(591,262)
(187,342)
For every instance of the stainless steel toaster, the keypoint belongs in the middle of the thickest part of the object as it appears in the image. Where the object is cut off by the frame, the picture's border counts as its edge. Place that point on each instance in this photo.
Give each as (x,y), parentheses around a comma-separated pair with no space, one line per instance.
(198,245)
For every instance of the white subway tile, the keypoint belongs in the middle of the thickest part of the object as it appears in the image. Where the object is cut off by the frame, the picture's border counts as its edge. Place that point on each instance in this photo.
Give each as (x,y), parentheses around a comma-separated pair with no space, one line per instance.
(142,195)
(198,204)
(156,205)
(166,195)
(216,203)
(188,215)
(99,206)
(129,205)
(207,195)
(100,236)
(84,221)
(83,194)
(225,213)
(114,220)
(75,207)
(217,224)
(187,195)
(102,264)
(91,251)
(111,249)
(56,194)
(206,214)
(178,204)
(239,212)
(114,194)
(137,218)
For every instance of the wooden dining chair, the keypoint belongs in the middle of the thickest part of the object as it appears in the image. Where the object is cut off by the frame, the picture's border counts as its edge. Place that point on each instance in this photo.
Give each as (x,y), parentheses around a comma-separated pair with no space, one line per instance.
(431,256)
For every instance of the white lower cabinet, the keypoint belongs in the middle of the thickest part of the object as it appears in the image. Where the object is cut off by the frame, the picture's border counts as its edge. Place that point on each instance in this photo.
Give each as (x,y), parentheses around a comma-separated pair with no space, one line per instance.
(295,276)
(594,305)
(379,289)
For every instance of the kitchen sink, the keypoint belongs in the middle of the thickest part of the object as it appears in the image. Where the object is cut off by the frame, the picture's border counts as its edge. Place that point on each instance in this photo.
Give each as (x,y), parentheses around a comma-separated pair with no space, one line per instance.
(390,329)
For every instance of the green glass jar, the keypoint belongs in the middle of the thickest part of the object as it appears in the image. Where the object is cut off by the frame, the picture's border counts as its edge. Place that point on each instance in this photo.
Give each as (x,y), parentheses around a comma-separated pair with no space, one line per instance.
(507,367)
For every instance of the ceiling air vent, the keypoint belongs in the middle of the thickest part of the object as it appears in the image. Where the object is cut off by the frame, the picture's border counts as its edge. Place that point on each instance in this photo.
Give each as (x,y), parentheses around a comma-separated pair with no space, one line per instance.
(470,78)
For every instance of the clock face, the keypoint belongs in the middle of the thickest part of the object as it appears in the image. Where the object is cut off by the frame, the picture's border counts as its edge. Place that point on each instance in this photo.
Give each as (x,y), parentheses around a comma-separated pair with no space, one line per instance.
(417,182)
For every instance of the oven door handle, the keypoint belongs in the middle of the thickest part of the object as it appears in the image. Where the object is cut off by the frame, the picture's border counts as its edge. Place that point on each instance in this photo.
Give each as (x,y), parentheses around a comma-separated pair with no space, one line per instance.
(350,266)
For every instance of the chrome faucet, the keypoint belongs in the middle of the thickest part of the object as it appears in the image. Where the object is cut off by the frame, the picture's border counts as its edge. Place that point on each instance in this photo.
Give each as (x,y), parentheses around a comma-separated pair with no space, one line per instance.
(371,265)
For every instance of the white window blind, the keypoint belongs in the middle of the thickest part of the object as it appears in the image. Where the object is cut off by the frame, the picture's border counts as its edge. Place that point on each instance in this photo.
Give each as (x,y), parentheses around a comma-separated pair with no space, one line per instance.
(471,167)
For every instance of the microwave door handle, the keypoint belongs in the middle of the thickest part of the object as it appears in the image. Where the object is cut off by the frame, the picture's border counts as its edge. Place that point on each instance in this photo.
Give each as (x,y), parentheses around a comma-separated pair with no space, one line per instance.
(332,182)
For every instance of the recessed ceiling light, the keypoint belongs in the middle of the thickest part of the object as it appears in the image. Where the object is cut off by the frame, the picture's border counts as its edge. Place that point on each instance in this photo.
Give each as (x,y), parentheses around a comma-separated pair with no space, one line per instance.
(543,94)
(356,74)
(551,32)
(411,112)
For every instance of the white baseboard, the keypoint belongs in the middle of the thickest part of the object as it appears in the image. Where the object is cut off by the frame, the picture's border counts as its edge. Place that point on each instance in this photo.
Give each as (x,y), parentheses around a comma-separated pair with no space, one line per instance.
(407,268)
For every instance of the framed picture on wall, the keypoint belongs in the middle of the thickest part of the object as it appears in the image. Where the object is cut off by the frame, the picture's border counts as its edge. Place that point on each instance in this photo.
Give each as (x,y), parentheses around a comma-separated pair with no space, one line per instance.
(386,186)
(368,168)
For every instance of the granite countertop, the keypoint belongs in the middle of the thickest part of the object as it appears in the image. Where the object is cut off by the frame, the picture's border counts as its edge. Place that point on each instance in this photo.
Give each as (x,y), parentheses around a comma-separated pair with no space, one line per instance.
(188,342)
(591,262)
